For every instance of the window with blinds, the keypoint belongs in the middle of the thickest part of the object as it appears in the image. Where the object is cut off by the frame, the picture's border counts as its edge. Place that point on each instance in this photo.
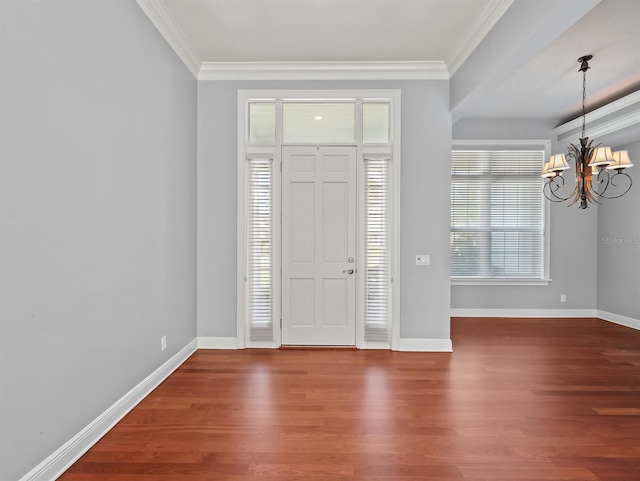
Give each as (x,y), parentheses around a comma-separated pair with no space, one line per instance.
(260,248)
(497,214)
(377,249)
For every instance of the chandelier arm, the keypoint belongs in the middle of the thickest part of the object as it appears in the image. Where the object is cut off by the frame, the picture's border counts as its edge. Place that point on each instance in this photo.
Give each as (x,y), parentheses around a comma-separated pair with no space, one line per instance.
(614,184)
(551,187)
(601,179)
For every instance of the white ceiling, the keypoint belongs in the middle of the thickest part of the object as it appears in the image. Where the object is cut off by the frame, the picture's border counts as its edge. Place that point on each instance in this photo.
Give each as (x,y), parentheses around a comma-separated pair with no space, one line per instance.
(546,85)
(325,30)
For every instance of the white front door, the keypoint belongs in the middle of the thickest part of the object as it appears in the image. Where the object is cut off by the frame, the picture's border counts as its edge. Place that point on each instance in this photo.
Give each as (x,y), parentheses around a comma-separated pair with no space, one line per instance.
(318,246)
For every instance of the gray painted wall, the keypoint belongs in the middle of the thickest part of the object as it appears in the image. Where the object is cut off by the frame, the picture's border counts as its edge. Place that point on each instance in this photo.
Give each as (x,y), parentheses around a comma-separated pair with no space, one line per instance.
(98,215)
(426,144)
(574,240)
(619,248)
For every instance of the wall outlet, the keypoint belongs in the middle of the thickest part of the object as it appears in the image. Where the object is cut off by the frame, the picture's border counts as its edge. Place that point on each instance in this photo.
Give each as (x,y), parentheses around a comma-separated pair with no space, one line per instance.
(423,260)
(163,343)
(563,298)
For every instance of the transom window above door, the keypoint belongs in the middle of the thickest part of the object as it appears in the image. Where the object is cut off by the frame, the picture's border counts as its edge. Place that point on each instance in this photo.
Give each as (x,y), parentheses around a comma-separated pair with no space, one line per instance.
(320,122)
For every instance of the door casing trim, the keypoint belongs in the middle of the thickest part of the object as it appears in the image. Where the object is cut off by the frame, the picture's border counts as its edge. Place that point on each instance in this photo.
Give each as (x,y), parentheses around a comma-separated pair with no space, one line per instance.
(244,148)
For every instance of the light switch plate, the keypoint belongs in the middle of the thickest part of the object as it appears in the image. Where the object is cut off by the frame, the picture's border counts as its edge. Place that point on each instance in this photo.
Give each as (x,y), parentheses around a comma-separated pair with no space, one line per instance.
(423,260)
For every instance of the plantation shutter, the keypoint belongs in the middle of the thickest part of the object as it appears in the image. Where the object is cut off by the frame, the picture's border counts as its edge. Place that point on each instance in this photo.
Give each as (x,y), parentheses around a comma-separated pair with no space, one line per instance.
(260,248)
(497,214)
(377,261)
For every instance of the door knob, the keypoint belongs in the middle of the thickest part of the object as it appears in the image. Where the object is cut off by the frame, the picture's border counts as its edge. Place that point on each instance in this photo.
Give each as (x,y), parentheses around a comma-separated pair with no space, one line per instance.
(348,271)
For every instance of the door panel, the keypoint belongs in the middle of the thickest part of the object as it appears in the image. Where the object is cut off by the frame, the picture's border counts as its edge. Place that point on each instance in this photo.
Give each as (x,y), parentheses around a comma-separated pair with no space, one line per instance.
(336,312)
(302,311)
(335,222)
(302,225)
(318,245)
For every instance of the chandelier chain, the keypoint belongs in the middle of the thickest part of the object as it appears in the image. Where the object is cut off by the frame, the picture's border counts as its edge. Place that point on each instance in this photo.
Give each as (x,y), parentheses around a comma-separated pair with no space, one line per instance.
(584,101)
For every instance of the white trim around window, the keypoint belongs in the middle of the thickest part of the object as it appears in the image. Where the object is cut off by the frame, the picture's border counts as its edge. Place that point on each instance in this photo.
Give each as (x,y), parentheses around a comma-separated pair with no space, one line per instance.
(511,144)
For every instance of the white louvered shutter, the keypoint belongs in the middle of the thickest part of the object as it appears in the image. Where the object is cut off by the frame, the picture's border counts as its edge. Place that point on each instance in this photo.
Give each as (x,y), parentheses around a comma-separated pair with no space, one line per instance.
(377,244)
(260,248)
(497,214)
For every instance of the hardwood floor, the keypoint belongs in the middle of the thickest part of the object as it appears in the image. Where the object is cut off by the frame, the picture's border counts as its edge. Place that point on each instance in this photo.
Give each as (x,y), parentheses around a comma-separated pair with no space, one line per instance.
(519,399)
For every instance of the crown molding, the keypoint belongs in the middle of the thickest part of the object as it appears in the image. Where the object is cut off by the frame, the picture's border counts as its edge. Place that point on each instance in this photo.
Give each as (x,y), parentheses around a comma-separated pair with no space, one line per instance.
(620,118)
(474,34)
(323,71)
(159,15)
(612,126)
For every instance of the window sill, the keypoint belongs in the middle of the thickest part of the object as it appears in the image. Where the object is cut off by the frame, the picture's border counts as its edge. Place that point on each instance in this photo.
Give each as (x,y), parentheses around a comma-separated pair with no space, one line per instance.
(499,282)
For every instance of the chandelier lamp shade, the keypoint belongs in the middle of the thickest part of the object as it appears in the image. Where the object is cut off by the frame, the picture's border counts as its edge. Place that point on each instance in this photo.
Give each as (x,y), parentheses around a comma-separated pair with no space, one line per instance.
(600,173)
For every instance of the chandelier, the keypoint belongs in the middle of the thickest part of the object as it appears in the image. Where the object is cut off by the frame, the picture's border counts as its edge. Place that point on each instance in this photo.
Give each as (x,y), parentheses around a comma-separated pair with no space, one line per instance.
(599,172)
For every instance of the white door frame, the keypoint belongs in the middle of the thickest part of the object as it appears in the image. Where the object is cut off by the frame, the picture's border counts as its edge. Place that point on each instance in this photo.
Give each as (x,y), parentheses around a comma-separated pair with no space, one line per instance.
(244,148)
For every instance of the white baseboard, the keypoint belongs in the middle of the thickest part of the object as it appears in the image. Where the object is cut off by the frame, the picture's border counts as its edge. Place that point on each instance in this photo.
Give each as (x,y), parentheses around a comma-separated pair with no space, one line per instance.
(618,319)
(424,345)
(523,313)
(60,460)
(217,343)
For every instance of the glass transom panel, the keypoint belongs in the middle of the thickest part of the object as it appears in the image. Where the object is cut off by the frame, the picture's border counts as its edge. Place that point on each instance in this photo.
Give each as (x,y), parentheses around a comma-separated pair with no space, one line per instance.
(375,123)
(318,123)
(262,123)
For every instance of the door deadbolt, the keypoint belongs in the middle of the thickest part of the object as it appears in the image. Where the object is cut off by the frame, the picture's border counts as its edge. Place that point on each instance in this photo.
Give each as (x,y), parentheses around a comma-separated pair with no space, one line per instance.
(350,259)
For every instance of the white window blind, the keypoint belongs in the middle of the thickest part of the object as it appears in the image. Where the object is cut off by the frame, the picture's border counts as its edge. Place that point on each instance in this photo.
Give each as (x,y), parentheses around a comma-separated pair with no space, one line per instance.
(377,266)
(260,248)
(497,214)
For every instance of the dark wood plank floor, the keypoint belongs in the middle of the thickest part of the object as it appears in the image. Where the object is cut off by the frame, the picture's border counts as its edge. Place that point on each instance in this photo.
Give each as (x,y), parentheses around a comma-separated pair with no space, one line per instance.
(525,400)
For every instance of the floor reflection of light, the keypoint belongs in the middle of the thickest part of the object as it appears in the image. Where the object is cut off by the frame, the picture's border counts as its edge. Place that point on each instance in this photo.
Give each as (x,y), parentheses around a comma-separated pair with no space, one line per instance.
(376,403)
(259,410)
